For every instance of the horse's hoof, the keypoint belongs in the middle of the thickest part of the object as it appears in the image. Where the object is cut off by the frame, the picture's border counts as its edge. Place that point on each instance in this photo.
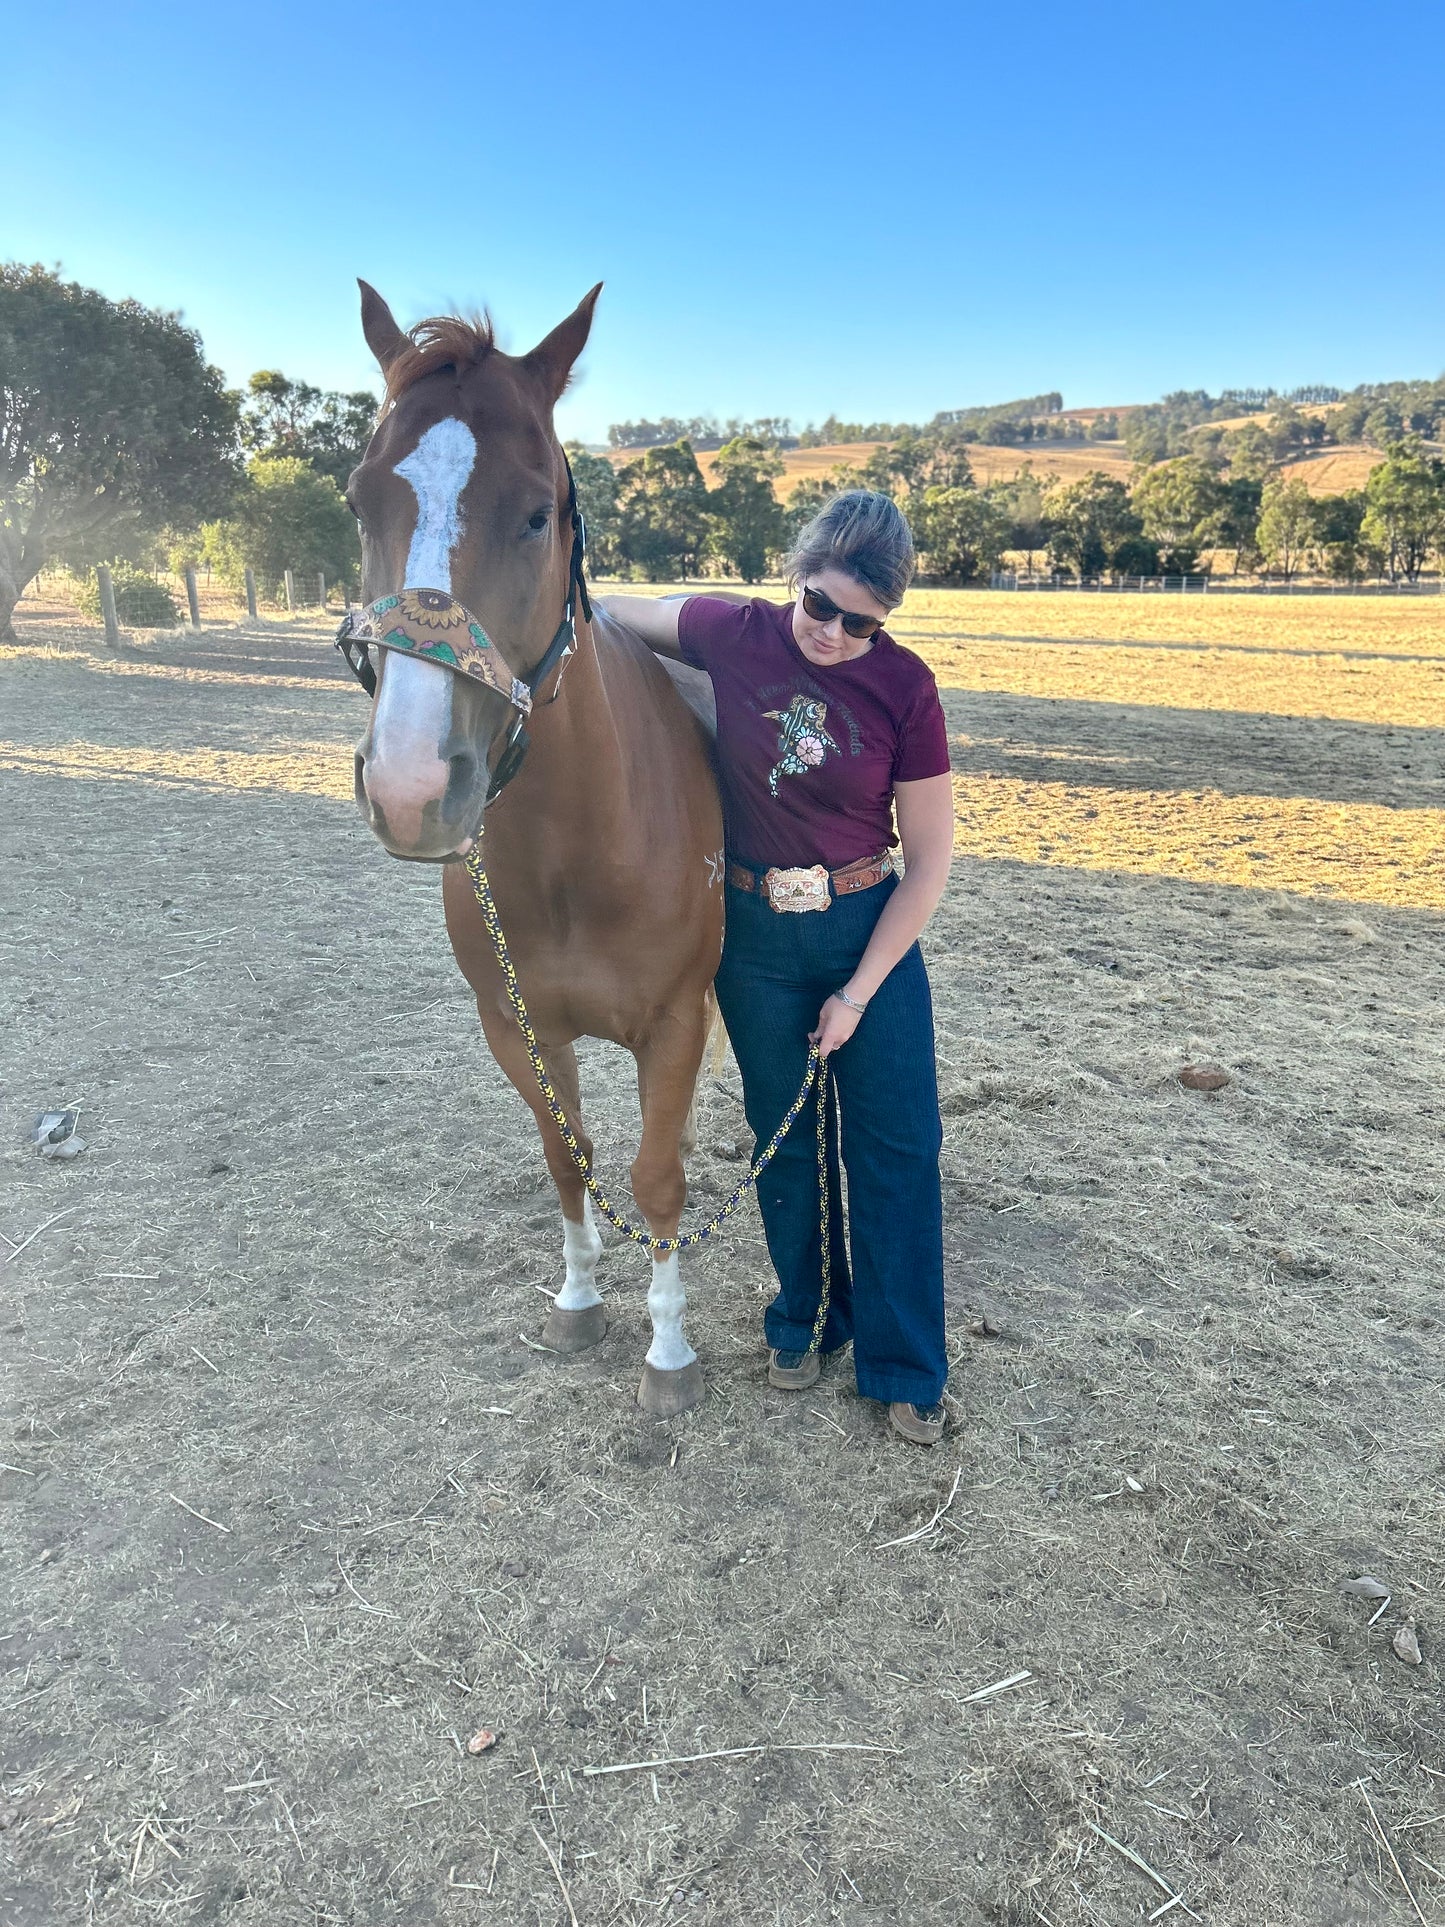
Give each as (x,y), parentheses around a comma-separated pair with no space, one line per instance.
(574,1331)
(666,1394)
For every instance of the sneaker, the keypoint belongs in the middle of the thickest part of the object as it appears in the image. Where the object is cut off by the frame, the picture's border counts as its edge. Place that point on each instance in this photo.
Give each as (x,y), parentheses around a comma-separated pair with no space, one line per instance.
(919,1424)
(794,1371)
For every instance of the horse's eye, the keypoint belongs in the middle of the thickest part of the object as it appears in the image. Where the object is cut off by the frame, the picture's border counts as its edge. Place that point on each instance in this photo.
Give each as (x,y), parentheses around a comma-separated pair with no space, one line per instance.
(536,523)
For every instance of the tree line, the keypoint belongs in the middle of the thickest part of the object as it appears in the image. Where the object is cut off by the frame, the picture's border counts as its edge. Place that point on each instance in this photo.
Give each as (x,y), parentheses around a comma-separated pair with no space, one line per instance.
(703,431)
(656,519)
(1035,418)
(1160,429)
(1190,421)
(119,442)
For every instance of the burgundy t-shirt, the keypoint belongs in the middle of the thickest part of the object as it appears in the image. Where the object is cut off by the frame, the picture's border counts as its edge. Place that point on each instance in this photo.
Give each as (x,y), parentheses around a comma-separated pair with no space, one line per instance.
(808,756)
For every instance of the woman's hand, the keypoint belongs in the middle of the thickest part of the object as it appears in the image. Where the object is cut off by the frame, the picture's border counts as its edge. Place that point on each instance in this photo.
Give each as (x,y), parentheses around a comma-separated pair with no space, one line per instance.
(836,1024)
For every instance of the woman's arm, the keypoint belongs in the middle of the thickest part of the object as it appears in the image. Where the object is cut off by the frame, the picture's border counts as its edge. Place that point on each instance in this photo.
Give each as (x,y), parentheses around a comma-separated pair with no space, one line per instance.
(925,828)
(654,618)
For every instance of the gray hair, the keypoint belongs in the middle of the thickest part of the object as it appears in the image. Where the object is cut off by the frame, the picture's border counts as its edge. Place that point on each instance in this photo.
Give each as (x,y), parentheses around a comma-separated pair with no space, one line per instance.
(864,535)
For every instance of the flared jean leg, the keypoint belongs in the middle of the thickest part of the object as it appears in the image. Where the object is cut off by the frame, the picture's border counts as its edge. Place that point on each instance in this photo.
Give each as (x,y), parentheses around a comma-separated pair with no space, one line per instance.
(768,1024)
(776,971)
(891,1139)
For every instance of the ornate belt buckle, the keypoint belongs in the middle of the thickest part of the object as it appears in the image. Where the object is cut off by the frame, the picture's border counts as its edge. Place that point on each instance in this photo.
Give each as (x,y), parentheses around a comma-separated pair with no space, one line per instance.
(798,889)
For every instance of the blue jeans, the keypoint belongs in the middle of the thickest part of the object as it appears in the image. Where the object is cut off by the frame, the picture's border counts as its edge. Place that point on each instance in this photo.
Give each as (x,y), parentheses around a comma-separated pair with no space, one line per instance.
(777,968)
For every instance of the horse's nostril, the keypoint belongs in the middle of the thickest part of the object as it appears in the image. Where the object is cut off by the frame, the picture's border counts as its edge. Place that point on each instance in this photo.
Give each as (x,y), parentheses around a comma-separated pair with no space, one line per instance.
(461,777)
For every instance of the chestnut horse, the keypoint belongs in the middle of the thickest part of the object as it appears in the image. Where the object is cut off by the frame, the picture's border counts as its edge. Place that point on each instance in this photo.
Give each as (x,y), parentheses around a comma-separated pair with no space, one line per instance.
(604,850)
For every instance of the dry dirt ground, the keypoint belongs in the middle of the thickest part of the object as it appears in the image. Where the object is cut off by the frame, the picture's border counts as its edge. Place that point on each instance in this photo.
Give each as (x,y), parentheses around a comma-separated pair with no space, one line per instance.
(292,1506)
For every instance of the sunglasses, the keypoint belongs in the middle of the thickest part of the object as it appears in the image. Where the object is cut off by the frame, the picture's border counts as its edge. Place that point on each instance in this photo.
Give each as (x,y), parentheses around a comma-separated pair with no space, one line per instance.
(818,606)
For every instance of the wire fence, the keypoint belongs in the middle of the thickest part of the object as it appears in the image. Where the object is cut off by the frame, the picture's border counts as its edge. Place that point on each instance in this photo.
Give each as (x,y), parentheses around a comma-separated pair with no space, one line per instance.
(198,596)
(1204,585)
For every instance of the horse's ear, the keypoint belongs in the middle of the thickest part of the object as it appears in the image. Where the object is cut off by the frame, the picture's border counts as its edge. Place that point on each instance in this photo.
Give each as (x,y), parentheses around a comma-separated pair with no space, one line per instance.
(552,358)
(378,324)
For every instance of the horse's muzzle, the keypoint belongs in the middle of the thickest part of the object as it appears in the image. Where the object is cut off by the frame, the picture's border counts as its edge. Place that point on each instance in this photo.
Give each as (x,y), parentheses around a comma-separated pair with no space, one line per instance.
(423,806)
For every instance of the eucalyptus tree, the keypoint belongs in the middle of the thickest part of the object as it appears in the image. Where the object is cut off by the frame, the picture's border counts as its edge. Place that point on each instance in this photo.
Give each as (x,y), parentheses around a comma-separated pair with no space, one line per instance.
(112,423)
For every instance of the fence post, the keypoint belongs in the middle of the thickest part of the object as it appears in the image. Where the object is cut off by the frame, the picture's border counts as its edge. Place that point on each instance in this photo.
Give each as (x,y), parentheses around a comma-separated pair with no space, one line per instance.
(193,597)
(290,582)
(107,607)
(251,594)
(321,588)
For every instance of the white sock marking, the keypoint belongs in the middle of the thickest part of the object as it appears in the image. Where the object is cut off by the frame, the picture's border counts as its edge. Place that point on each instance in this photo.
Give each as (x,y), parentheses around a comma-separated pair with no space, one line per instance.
(666,1302)
(581,1248)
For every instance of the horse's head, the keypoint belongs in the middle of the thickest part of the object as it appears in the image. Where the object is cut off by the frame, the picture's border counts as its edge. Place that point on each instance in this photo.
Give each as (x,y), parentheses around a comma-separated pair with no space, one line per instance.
(462,489)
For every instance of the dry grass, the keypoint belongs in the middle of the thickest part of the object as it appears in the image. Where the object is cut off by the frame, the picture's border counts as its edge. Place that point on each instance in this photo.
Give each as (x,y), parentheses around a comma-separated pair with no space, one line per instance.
(1334,470)
(1196,1343)
(1344,625)
(1049,461)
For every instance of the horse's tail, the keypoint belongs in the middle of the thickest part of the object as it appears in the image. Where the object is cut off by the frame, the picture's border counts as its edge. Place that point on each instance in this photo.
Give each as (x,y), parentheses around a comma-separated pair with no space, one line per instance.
(714,1056)
(715,1049)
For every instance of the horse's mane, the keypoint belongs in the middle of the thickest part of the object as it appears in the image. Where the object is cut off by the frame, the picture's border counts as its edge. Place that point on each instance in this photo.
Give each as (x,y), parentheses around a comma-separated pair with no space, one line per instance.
(443,341)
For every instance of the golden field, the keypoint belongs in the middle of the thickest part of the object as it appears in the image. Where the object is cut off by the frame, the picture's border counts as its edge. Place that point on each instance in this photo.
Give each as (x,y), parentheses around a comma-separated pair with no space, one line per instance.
(1332,624)
(1141,735)
(1126,670)
(1278,743)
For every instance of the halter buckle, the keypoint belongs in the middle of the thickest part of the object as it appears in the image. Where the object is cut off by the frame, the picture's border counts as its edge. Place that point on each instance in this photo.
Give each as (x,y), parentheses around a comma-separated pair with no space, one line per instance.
(509,762)
(355,654)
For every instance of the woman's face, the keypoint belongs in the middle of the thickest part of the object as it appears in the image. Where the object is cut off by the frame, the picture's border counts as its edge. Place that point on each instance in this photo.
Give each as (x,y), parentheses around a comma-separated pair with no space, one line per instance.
(828,642)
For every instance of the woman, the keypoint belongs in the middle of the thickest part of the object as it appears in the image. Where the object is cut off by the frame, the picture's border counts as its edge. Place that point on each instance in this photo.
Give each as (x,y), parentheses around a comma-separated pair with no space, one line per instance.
(826,727)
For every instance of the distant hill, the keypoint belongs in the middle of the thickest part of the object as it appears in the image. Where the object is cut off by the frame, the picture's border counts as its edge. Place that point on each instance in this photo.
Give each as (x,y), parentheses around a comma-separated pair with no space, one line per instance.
(990,463)
(1327,471)
(1329,439)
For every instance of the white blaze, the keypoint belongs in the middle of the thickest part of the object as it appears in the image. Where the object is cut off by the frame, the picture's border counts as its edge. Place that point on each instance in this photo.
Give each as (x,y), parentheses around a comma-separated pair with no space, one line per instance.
(414,708)
(438,469)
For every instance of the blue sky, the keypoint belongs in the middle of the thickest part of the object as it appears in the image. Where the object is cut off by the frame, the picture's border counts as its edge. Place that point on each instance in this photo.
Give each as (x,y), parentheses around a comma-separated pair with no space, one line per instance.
(879,210)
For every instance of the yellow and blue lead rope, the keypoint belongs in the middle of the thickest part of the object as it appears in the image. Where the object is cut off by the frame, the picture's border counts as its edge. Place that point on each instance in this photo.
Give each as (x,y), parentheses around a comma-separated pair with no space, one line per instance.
(815,1081)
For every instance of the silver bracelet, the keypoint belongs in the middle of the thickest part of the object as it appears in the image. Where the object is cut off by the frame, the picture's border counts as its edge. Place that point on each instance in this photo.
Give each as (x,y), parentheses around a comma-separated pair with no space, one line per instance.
(851,1002)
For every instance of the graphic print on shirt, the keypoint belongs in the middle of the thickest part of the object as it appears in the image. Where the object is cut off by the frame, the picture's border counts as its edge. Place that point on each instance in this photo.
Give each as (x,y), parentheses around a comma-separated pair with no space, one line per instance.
(802,740)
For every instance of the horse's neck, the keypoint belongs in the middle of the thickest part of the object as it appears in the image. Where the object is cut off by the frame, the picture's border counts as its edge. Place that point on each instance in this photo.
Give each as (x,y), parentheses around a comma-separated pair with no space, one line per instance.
(577,791)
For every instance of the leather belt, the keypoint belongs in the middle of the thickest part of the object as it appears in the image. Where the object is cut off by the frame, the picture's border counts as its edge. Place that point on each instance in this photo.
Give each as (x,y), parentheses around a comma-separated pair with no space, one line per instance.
(808,889)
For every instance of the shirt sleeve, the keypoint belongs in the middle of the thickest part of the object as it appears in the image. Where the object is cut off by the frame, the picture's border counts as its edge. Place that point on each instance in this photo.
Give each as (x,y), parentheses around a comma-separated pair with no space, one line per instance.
(707,627)
(923,738)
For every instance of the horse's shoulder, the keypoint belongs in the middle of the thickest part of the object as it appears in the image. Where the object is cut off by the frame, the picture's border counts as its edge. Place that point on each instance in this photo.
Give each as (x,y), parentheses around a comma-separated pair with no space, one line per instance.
(694,686)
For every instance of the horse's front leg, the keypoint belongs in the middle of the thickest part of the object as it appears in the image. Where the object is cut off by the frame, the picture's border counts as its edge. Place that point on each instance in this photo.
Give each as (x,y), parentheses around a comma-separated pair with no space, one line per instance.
(578,1317)
(667,1066)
